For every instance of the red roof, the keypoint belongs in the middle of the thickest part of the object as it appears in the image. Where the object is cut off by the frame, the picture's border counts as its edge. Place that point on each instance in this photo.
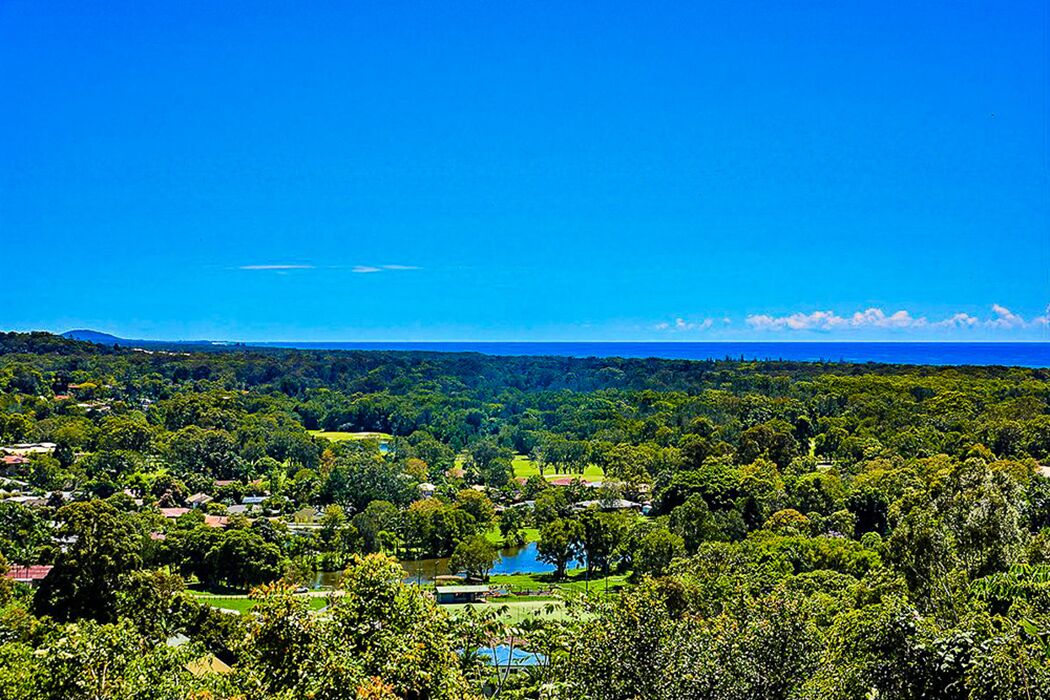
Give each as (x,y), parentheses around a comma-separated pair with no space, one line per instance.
(562,481)
(173,512)
(15,459)
(216,520)
(34,572)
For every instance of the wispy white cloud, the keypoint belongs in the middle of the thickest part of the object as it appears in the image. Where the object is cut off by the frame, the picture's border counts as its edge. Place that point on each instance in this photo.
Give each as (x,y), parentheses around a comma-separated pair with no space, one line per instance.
(383,268)
(680,324)
(364,269)
(276,267)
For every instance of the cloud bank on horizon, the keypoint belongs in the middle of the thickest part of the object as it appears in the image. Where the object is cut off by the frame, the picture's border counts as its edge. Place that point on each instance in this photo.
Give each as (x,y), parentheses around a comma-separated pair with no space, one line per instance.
(873,318)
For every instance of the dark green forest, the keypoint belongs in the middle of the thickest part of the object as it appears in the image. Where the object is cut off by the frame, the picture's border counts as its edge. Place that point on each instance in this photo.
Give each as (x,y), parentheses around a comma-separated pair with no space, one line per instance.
(804,530)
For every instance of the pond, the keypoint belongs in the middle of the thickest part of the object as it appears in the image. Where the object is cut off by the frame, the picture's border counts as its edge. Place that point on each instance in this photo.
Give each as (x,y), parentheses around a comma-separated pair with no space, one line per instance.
(513,560)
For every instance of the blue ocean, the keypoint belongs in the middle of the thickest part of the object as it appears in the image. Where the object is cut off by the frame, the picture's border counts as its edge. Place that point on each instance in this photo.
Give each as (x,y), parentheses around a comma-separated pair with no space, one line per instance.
(1011,354)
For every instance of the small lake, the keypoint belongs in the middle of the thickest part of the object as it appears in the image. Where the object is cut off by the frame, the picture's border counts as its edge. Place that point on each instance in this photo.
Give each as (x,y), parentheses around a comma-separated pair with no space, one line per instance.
(513,560)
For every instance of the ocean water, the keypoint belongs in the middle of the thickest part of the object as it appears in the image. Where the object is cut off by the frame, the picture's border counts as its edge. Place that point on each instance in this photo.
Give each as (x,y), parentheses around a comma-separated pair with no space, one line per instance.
(1010,354)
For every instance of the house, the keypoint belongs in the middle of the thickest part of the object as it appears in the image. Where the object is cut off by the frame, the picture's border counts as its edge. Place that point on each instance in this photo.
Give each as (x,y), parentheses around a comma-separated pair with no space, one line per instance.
(174,512)
(177,640)
(29,448)
(28,501)
(460,594)
(199,499)
(426,490)
(15,460)
(253,500)
(208,664)
(216,520)
(562,481)
(614,504)
(306,516)
(31,574)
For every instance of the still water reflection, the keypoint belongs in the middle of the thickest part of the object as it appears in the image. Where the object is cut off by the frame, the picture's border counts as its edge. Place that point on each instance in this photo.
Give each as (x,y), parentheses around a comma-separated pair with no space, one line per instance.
(513,560)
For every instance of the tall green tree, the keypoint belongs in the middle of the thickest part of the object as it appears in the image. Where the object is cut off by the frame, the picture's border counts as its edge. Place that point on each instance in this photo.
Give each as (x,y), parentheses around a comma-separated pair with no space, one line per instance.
(561,541)
(103,545)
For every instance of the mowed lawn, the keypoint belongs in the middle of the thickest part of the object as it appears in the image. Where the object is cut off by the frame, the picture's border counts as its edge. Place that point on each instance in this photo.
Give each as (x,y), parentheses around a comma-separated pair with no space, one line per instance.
(336,436)
(242,603)
(495,537)
(576,581)
(524,467)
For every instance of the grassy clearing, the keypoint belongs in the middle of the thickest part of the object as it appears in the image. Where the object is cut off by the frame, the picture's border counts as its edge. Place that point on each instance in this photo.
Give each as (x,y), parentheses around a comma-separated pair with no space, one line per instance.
(576,581)
(593,473)
(242,603)
(336,436)
(524,467)
(494,536)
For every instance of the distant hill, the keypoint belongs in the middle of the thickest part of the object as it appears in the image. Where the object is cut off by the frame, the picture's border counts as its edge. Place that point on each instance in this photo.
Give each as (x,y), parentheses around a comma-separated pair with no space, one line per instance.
(100,338)
(94,337)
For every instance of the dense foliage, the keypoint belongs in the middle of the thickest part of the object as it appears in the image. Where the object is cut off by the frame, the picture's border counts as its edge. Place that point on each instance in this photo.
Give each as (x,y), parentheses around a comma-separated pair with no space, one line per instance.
(814,529)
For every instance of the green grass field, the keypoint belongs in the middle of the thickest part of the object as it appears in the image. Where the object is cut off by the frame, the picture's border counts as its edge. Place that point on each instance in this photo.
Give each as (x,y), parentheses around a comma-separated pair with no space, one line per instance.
(576,581)
(336,436)
(242,603)
(493,535)
(524,467)
(517,611)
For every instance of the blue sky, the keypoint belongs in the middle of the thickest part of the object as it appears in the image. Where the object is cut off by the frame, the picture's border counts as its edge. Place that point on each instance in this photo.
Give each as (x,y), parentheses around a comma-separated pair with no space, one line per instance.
(536,171)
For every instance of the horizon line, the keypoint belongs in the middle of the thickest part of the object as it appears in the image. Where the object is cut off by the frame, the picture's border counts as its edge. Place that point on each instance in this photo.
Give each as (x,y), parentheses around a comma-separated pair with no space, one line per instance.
(606,342)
